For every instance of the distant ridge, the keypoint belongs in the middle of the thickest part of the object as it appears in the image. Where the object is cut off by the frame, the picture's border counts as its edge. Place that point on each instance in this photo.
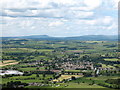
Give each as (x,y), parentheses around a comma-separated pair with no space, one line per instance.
(84,38)
(95,37)
(35,36)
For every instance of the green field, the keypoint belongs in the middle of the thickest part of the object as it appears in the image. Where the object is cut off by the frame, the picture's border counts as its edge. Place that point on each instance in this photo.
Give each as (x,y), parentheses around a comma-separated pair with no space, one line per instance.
(27,79)
(31,68)
(68,85)
(103,77)
(27,69)
(82,85)
(114,59)
(72,71)
(61,63)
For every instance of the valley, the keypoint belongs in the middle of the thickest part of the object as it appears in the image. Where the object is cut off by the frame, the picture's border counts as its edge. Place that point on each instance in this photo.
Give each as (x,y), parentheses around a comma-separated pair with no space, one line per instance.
(60,63)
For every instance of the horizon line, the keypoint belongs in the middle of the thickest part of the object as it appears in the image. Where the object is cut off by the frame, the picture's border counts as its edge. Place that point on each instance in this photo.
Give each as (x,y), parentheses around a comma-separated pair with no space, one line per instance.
(59,36)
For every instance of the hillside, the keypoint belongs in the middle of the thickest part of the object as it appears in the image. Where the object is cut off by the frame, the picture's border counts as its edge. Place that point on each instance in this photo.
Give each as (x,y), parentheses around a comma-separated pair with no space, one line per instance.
(83,38)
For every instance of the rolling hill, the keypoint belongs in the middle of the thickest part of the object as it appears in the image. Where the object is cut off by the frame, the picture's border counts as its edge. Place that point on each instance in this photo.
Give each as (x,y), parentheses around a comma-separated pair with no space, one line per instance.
(83,38)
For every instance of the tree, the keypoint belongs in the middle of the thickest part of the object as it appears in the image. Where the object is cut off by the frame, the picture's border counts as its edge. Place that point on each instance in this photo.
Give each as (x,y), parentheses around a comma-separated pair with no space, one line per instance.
(37,68)
(15,84)
(78,82)
(54,76)
(87,74)
(44,74)
(37,75)
(73,78)
(93,82)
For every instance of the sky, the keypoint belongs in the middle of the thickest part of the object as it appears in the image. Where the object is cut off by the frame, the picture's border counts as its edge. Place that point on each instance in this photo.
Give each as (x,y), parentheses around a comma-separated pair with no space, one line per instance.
(59,18)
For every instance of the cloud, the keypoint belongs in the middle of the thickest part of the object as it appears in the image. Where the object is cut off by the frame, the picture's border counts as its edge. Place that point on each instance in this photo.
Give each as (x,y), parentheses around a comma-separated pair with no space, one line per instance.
(110,4)
(48,13)
(37,3)
(115,3)
(107,20)
(58,17)
(83,14)
(92,4)
(113,26)
(46,8)
(51,8)
(57,23)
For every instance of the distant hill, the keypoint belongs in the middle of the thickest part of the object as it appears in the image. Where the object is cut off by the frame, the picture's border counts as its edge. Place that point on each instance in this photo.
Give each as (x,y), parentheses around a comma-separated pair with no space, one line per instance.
(95,37)
(82,38)
(35,36)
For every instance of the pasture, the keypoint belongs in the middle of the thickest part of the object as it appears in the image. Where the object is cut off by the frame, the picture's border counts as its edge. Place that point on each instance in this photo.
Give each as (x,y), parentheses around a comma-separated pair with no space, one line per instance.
(27,79)
(113,59)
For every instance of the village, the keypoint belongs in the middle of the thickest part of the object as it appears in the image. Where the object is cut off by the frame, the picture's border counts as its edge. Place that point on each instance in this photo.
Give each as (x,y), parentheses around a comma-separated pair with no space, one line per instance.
(28,66)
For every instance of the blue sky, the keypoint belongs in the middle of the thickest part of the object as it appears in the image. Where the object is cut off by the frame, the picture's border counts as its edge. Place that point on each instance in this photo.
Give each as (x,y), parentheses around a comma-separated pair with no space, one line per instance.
(58,17)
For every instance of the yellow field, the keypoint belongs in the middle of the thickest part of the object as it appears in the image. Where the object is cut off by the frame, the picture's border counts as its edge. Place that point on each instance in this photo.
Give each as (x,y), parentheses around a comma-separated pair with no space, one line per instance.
(66,77)
(8,62)
(107,66)
(95,41)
